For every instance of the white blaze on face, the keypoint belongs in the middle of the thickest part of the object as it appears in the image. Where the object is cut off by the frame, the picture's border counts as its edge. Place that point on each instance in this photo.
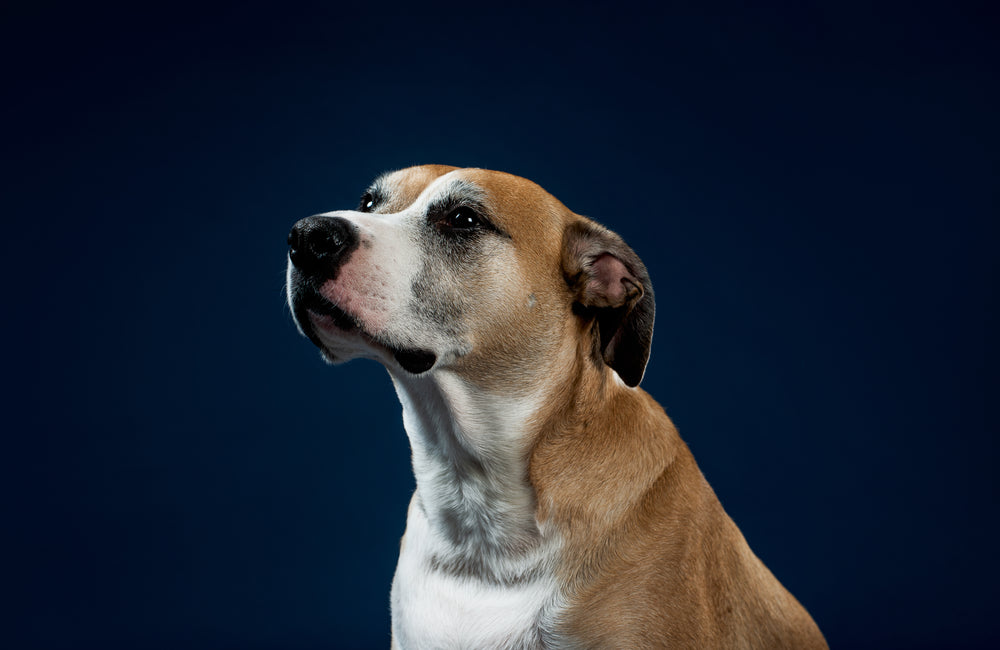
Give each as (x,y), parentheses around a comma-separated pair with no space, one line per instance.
(376,278)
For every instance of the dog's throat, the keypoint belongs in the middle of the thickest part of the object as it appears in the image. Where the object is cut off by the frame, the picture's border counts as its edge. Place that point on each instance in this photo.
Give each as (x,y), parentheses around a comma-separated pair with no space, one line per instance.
(415,361)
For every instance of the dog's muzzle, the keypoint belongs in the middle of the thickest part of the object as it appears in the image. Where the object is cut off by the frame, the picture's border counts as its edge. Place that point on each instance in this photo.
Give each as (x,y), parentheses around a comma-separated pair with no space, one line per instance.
(319,245)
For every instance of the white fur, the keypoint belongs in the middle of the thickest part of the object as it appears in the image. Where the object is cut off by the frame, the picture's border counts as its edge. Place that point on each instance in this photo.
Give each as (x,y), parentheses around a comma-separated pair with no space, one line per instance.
(431,609)
(376,278)
(513,598)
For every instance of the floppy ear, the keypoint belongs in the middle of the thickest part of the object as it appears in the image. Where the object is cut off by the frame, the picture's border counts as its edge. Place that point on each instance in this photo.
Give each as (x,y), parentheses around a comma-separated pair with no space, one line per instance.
(611,286)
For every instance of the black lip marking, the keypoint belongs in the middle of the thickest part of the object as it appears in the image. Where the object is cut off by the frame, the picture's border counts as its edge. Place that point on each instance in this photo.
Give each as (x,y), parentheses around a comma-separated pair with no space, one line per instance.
(415,361)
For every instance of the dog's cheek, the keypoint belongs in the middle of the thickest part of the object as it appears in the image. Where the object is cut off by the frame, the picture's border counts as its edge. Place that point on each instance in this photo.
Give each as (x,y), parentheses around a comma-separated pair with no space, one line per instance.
(455,295)
(517,326)
(437,303)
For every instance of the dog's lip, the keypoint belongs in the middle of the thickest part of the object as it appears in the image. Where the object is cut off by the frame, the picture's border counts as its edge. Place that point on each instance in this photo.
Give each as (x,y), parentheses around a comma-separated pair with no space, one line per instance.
(331,318)
(325,315)
(328,322)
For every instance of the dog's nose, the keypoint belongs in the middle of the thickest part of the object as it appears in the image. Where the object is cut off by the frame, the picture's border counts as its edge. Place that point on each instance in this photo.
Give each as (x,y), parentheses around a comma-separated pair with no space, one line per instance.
(320,244)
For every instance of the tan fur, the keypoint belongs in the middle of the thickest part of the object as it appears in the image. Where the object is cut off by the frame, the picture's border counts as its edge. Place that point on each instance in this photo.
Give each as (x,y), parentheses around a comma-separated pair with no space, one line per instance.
(649,557)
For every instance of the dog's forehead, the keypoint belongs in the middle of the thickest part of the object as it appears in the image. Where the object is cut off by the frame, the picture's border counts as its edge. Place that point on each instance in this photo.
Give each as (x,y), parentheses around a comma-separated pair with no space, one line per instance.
(514,202)
(398,190)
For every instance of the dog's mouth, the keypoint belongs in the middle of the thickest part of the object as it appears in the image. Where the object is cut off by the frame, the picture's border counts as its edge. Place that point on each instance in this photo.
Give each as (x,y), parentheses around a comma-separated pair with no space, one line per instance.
(313,311)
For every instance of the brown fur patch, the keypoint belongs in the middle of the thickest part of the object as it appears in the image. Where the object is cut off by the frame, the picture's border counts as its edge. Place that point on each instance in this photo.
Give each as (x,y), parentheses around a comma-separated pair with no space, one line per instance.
(651,559)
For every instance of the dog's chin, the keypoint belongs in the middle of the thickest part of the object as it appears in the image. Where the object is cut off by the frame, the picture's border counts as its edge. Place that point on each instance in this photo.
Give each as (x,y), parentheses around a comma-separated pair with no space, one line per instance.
(415,361)
(341,337)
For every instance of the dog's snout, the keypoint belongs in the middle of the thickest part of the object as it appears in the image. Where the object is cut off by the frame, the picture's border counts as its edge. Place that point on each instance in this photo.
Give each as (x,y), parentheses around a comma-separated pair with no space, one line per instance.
(321,244)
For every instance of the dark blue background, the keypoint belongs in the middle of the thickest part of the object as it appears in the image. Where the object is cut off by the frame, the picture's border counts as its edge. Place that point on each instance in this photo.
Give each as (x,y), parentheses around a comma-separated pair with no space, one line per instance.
(813,187)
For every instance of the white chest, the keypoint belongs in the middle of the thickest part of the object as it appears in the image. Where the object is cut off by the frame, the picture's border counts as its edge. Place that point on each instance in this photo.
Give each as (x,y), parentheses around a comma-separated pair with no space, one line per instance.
(433,608)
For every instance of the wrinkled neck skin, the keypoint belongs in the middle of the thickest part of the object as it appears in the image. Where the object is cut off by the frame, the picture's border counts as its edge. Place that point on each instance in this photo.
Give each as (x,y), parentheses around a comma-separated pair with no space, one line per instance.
(470,456)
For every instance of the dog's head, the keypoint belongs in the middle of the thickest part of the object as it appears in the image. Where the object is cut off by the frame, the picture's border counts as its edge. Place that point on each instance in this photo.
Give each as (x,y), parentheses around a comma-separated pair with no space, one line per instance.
(477,271)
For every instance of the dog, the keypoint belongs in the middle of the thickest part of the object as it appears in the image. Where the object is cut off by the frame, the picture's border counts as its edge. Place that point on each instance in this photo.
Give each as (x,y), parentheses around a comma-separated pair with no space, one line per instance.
(556,506)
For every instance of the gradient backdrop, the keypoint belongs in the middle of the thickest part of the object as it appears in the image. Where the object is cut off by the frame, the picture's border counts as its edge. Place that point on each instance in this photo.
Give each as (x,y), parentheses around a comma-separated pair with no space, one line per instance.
(813,188)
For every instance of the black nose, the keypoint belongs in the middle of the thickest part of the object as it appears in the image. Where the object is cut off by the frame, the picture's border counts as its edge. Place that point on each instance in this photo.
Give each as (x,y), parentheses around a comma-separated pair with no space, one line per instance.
(321,244)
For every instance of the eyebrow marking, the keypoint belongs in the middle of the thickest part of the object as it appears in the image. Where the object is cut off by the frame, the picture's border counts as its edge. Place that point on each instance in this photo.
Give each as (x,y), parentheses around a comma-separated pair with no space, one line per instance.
(460,192)
(383,191)
(456,193)
(377,187)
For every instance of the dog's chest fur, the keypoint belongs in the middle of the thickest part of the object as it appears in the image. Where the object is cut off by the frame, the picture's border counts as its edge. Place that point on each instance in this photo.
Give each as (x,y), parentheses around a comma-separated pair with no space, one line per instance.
(475,570)
(439,607)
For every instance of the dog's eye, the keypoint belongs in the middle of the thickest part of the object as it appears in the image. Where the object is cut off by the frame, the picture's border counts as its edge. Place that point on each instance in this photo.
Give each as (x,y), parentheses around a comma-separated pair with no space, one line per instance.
(462,218)
(367,202)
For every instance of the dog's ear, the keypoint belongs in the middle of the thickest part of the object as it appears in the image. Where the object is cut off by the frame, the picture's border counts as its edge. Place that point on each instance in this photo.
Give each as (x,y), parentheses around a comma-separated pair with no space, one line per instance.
(611,286)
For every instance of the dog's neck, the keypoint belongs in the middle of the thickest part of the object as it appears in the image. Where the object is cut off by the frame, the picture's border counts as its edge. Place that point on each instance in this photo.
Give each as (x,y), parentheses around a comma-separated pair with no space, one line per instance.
(470,452)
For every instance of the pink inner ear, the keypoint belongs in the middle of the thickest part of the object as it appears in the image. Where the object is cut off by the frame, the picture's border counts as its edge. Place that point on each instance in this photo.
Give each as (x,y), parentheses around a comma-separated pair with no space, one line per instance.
(605,285)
